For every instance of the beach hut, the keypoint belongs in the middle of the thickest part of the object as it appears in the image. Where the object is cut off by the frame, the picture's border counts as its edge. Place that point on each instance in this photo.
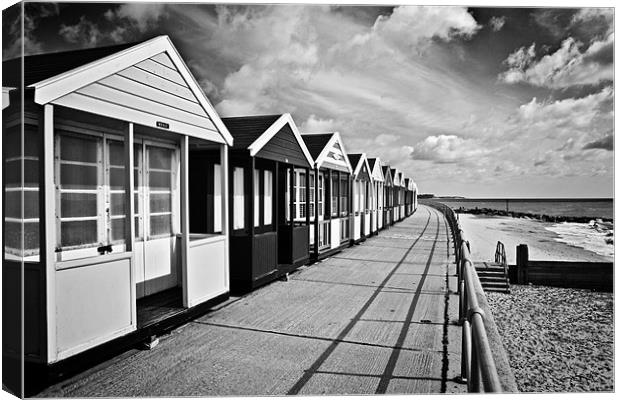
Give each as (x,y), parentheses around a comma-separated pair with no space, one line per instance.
(108,247)
(408,197)
(403,196)
(332,175)
(397,189)
(362,197)
(388,197)
(378,181)
(269,227)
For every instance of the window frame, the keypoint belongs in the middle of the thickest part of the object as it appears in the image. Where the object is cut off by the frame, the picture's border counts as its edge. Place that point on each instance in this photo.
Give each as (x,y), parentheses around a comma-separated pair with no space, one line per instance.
(259,204)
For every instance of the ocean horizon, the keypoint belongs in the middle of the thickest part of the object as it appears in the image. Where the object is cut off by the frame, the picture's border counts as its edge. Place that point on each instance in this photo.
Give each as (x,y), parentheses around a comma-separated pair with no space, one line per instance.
(595,208)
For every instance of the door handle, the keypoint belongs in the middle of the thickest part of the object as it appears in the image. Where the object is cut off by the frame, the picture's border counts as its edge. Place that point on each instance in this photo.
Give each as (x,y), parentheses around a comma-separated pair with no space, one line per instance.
(104,249)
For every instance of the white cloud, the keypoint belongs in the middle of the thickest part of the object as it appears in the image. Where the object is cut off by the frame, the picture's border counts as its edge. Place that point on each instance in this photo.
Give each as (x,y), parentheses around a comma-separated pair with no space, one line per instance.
(497,23)
(447,149)
(573,64)
(415,23)
(143,15)
(572,112)
(318,125)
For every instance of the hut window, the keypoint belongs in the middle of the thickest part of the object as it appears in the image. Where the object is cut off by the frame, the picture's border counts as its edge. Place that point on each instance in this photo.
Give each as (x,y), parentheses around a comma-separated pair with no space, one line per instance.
(256,197)
(116,195)
(321,193)
(335,194)
(311,195)
(137,191)
(300,199)
(81,194)
(287,195)
(344,195)
(268,198)
(238,203)
(217,198)
(21,216)
(155,183)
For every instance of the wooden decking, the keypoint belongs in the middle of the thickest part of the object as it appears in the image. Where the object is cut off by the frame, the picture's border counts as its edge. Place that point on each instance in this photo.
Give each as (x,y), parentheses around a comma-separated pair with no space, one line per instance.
(376,318)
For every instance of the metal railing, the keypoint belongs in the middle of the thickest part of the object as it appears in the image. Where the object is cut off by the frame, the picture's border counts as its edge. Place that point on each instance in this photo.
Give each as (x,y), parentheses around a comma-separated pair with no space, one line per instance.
(500,257)
(478,368)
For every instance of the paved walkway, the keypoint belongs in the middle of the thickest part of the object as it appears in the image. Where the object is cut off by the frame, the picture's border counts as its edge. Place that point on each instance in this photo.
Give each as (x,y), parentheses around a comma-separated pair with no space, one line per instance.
(376,318)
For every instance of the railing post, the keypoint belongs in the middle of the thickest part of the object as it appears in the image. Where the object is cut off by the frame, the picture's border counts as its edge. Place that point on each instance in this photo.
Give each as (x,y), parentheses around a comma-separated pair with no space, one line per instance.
(473,383)
(465,352)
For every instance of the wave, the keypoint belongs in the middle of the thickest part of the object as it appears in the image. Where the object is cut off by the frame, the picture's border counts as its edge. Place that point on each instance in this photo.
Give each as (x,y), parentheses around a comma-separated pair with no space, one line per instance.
(596,236)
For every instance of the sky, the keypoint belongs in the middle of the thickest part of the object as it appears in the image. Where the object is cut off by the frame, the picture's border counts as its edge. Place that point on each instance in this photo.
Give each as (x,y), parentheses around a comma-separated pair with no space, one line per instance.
(475,102)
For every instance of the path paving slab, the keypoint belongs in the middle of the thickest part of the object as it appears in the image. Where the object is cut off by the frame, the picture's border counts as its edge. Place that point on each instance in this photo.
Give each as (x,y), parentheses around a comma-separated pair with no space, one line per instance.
(379,317)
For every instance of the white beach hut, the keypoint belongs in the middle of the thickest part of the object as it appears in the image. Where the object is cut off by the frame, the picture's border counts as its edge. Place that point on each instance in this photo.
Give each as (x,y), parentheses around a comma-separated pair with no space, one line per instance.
(331,225)
(362,197)
(378,182)
(109,249)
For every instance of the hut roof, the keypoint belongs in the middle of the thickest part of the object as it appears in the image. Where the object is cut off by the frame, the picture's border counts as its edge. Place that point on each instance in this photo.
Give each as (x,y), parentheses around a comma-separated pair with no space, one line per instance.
(354,159)
(245,130)
(39,67)
(316,142)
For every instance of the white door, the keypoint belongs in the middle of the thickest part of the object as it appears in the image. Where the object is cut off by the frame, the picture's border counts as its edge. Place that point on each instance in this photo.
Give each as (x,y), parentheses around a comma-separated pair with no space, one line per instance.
(157,209)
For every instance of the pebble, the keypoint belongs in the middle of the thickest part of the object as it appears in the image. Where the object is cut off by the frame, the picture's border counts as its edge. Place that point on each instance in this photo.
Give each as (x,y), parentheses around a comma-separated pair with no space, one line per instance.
(557,339)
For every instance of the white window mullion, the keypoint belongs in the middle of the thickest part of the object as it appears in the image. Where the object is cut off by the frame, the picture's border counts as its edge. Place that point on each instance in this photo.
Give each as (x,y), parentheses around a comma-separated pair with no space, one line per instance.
(106,194)
(57,188)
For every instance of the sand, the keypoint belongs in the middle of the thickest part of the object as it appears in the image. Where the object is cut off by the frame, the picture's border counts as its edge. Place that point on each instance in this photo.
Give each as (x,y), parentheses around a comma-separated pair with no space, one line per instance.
(483,232)
(557,340)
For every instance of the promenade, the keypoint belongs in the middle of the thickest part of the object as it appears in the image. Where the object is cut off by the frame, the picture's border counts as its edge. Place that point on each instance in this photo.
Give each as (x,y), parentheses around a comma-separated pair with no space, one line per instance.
(376,318)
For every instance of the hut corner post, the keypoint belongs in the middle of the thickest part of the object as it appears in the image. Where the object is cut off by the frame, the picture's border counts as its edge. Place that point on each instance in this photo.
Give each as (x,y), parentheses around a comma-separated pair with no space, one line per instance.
(50,230)
(522,263)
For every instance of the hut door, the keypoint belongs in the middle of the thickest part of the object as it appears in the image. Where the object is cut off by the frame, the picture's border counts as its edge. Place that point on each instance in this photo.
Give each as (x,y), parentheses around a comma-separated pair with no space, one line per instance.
(157,212)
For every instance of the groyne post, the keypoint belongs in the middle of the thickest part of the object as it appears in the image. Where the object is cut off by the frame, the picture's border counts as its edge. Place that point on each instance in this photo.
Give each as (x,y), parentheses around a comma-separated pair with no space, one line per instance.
(522,261)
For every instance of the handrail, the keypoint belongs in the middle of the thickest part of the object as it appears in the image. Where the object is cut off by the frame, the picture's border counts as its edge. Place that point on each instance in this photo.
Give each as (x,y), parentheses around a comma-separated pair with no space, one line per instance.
(500,257)
(477,364)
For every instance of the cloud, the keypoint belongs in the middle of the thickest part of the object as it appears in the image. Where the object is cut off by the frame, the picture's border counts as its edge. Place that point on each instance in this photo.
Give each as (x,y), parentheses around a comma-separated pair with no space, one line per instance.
(605,143)
(445,149)
(575,113)
(85,32)
(497,23)
(12,28)
(415,23)
(141,15)
(318,125)
(127,22)
(567,67)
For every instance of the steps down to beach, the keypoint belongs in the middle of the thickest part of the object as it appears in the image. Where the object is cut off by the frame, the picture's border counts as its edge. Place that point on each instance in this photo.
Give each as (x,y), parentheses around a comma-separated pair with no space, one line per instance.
(492,277)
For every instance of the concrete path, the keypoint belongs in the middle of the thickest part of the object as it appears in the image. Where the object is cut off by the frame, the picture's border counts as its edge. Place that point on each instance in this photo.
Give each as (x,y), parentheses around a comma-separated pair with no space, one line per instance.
(376,318)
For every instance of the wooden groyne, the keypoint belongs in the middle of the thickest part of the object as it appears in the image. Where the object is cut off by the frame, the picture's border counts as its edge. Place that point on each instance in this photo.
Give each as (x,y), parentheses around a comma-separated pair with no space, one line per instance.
(568,274)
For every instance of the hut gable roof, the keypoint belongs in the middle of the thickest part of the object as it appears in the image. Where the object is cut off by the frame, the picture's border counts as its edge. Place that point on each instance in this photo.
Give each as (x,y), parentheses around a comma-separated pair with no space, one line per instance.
(316,142)
(361,169)
(354,159)
(39,67)
(259,135)
(376,170)
(395,176)
(387,174)
(143,82)
(245,130)
(332,154)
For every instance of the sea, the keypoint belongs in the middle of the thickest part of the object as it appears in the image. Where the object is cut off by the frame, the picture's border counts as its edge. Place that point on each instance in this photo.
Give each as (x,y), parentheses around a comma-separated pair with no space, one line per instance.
(597,235)
(590,208)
